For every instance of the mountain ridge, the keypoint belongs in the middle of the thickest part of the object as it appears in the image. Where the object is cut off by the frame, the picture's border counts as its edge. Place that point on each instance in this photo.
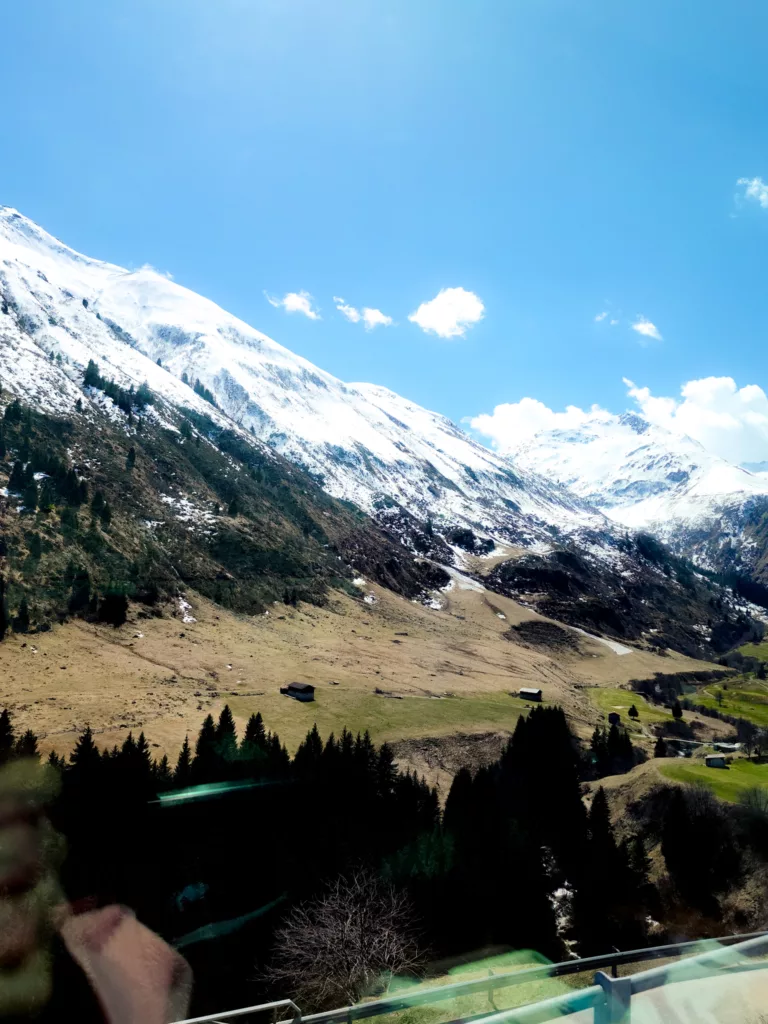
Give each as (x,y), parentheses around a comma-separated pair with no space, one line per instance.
(644,477)
(133,358)
(362,440)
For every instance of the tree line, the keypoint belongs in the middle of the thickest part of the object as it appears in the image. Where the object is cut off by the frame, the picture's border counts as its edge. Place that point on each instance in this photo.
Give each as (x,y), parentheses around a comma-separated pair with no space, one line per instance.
(514,859)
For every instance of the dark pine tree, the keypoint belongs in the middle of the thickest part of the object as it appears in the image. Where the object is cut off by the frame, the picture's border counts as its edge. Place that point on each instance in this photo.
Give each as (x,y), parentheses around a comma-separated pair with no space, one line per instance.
(162,775)
(226,740)
(3,610)
(26,746)
(205,767)
(97,504)
(80,588)
(6,737)
(182,776)
(92,378)
(21,622)
(17,481)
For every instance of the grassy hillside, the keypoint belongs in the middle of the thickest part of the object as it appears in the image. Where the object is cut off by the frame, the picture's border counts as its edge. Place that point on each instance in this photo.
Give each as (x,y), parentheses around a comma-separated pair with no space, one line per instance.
(108,505)
(725,783)
(744,697)
(756,650)
(609,699)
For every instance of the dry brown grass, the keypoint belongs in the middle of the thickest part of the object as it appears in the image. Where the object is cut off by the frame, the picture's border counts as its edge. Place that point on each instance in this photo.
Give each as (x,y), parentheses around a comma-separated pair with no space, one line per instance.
(167,679)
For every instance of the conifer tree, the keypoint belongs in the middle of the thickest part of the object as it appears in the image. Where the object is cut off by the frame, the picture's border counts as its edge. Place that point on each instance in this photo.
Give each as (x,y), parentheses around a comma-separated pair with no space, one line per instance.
(91,377)
(162,774)
(97,504)
(386,771)
(226,737)
(205,764)
(85,759)
(3,610)
(80,592)
(182,776)
(17,481)
(306,761)
(255,734)
(30,496)
(130,460)
(660,750)
(26,746)
(21,622)
(6,736)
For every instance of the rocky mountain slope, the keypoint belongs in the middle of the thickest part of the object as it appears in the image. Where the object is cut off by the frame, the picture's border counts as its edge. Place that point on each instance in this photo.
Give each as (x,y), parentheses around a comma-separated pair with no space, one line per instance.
(643,476)
(362,442)
(233,466)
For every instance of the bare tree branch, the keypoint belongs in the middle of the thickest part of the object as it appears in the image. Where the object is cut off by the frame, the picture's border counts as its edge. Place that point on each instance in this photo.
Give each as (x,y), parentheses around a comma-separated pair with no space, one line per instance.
(342,946)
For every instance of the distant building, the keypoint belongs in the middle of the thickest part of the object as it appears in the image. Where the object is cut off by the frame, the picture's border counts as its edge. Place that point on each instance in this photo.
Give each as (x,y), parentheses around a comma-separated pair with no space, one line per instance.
(299,691)
(528,693)
(614,718)
(715,760)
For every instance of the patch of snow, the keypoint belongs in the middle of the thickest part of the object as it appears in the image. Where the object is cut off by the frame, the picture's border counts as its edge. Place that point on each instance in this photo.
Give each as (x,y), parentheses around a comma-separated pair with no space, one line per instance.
(184,609)
(463,582)
(614,645)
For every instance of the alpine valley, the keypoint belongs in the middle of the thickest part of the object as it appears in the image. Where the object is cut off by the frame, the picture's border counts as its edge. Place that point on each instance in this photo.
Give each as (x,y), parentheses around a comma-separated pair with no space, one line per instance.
(155,448)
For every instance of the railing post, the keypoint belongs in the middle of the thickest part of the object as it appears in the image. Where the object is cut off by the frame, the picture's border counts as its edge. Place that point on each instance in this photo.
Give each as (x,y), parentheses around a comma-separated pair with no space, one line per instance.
(614,966)
(618,997)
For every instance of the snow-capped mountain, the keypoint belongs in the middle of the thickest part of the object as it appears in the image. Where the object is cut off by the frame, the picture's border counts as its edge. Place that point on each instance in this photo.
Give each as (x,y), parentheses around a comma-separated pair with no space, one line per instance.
(59,309)
(211,408)
(643,476)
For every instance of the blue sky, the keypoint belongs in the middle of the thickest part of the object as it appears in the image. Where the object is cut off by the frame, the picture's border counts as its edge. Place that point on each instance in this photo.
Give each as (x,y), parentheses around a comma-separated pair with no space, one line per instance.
(557,158)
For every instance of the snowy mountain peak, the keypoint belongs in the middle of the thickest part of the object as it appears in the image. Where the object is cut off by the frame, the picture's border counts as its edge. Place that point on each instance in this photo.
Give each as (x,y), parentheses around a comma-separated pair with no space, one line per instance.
(366,443)
(643,476)
(635,422)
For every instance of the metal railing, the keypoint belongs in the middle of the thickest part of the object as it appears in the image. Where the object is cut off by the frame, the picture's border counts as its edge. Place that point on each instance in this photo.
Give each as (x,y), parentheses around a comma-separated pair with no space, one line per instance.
(216,1018)
(609,997)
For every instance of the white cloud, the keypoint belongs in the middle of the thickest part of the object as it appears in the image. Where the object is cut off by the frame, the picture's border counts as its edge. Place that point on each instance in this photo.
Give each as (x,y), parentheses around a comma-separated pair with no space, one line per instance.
(755,188)
(295,302)
(728,420)
(370,317)
(613,323)
(514,422)
(601,316)
(450,313)
(644,327)
(375,318)
(352,314)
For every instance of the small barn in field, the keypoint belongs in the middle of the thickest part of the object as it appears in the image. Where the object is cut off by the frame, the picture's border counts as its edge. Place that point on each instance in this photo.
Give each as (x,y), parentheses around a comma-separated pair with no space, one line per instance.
(299,691)
(715,761)
(528,693)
